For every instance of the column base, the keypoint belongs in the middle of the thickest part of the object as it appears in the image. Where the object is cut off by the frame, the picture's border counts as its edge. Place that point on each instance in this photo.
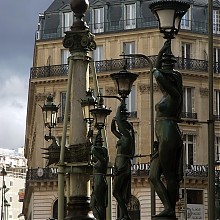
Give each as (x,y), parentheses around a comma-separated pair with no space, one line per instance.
(78,208)
(163,218)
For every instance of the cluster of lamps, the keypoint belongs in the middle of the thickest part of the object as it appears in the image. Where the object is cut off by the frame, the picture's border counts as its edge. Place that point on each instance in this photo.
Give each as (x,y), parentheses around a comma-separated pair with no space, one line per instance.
(93,110)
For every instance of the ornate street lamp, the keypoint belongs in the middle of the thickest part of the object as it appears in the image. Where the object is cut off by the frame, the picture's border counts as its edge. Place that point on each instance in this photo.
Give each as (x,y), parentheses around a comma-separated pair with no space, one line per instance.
(100,113)
(87,104)
(100,161)
(124,81)
(169,15)
(49,110)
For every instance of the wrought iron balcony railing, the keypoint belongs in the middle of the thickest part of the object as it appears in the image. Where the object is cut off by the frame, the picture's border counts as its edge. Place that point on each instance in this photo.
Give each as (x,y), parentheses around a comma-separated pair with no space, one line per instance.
(118,64)
(217,117)
(122,25)
(190,115)
(47,71)
(50,174)
(41,174)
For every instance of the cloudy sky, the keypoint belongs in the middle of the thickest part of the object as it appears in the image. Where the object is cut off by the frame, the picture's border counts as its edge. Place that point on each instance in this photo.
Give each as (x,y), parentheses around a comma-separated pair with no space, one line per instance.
(18,23)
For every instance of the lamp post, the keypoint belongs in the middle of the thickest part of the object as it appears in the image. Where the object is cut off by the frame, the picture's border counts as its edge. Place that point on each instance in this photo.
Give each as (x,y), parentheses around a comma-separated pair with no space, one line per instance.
(123,82)
(79,41)
(169,15)
(99,114)
(87,104)
(3,211)
(211,120)
(49,110)
(100,159)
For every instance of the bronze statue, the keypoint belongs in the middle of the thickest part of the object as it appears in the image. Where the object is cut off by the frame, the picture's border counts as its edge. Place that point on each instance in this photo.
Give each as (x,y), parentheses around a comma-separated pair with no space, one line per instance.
(99,197)
(167,158)
(125,152)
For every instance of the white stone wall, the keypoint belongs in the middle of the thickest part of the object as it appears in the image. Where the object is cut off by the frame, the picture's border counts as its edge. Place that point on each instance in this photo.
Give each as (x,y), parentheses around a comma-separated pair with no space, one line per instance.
(13,184)
(43,204)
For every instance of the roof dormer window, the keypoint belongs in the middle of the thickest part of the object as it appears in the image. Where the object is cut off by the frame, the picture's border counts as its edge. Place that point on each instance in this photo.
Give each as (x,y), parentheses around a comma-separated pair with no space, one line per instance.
(98,19)
(130,16)
(186,20)
(67,21)
(216,21)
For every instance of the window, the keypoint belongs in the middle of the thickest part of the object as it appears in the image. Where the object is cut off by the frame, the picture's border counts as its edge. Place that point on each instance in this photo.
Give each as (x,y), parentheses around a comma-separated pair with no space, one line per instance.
(193,196)
(98,20)
(130,16)
(129,48)
(131,102)
(186,20)
(11,183)
(217,148)
(216,58)
(98,53)
(67,21)
(10,199)
(217,103)
(186,55)
(216,21)
(189,143)
(188,103)
(64,56)
(62,107)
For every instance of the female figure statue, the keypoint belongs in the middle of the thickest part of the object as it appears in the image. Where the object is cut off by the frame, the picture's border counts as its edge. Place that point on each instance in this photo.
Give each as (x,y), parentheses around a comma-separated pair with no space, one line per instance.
(99,197)
(125,152)
(167,159)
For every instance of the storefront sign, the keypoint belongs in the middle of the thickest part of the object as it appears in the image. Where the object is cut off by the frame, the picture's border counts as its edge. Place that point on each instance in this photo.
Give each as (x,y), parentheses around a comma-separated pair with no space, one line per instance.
(190,168)
(195,211)
(140,166)
(199,168)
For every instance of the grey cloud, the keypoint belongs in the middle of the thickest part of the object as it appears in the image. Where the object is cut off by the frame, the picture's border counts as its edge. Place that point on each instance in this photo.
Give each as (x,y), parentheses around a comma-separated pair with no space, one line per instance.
(18,23)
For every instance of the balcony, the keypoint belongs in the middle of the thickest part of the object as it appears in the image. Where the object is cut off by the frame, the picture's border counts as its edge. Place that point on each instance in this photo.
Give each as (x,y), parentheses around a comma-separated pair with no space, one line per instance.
(120,25)
(189,115)
(217,117)
(41,174)
(50,174)
(118,64)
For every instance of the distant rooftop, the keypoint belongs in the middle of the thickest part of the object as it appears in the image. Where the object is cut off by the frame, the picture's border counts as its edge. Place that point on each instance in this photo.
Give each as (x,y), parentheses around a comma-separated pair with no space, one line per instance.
(11,152)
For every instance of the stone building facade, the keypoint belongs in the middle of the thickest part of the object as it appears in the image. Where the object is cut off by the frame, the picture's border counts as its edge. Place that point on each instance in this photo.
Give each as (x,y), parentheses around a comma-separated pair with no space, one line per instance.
(129,27)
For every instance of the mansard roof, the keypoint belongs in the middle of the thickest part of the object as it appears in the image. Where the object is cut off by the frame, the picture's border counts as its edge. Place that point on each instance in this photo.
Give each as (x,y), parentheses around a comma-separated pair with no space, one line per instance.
(58,5)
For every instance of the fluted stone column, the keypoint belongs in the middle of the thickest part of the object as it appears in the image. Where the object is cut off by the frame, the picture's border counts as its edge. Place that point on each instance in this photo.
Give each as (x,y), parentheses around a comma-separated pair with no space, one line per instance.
(80,41)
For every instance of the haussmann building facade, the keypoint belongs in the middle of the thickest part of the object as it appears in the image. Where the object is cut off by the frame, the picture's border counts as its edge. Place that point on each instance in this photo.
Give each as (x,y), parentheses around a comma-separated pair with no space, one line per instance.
(125,27)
